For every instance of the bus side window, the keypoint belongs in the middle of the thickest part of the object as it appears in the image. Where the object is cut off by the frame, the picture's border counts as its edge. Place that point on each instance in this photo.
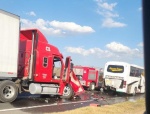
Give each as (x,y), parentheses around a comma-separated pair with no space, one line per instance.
(132,71)
(141,72)
(137,73)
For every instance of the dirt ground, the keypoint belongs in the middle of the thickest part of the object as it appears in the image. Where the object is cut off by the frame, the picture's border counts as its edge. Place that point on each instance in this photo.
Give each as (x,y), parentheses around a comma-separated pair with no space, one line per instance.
(129,107)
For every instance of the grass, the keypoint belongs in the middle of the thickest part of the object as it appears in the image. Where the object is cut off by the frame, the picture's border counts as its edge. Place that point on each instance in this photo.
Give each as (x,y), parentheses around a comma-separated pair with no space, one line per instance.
(137,107)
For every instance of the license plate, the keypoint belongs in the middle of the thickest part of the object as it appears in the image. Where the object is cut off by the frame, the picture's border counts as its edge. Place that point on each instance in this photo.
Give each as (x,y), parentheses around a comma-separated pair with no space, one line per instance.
(108,82)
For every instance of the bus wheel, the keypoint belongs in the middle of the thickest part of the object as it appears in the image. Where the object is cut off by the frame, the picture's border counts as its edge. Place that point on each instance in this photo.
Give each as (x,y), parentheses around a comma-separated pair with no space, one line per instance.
(8,91)
(92,86)
(68,92)
(135,91)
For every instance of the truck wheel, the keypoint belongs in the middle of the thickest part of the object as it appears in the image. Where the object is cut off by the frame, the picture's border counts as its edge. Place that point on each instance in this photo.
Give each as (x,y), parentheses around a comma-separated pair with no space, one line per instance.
(92,86)
(68,92)
(8,91)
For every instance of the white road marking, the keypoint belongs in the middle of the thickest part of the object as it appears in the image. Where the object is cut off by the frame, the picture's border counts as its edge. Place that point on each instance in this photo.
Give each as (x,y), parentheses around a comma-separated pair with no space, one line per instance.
(30,107)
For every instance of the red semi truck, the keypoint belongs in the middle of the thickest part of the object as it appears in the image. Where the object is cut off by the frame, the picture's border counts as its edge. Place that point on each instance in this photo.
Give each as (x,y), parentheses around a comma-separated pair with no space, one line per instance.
(29,63)
(89,77)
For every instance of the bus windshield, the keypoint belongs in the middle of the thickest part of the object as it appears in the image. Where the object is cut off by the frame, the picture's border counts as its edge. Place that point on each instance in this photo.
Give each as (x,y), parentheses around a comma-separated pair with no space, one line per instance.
(115,68)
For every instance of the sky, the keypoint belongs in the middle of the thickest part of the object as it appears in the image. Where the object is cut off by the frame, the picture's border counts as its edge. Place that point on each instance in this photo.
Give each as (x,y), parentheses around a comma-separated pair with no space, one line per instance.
(92,32)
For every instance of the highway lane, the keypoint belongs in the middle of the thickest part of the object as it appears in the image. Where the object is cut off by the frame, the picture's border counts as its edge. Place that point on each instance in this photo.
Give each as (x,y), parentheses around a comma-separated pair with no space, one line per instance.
(27,103)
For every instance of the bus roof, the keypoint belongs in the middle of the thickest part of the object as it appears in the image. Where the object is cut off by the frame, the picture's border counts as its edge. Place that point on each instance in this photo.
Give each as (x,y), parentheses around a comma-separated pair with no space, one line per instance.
(123,63)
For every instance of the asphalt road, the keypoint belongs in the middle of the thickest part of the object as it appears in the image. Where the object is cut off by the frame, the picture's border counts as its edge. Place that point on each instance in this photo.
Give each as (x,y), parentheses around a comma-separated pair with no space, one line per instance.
(26,103)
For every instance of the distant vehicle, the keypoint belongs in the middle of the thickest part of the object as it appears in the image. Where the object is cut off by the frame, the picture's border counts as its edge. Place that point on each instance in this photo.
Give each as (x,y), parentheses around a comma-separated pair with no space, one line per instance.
(89,77)
(124,77)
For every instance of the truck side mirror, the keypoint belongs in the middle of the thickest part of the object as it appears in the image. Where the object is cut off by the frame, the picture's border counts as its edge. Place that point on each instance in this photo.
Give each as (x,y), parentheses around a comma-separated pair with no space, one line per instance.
(66,63)
(71,66)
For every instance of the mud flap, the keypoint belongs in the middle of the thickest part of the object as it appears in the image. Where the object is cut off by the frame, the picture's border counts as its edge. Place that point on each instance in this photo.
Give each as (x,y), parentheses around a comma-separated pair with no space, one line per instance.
(76,86)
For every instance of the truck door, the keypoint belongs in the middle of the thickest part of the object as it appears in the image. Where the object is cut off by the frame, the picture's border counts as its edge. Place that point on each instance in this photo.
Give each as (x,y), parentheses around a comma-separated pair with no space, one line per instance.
(57,68)
(70,77)
(67,70)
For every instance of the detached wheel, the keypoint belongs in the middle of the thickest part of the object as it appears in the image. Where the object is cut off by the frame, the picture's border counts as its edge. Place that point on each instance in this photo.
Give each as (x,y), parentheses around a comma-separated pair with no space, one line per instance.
(68,92)
(92,86)
(8,91)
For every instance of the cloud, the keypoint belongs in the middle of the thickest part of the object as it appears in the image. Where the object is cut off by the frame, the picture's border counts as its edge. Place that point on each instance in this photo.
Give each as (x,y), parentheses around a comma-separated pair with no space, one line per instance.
(110,23)
(107,14)
(140,8)
(71,26)
(41,25)
(31,13)
(118,47)
(124,51)
(140,44)
(87,52)
(107,6)
(56,27)
(106,10)
(113,50)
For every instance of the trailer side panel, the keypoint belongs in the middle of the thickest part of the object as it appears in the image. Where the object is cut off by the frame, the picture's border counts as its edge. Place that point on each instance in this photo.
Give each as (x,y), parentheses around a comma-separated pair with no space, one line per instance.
(9,44)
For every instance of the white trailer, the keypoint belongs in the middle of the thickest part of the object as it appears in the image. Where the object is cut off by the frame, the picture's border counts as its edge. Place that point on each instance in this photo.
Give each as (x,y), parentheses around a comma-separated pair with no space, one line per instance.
(124,77)
(9,44)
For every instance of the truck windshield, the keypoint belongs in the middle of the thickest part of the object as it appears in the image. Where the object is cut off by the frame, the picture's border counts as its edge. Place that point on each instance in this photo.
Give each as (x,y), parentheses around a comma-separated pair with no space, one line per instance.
(115,68)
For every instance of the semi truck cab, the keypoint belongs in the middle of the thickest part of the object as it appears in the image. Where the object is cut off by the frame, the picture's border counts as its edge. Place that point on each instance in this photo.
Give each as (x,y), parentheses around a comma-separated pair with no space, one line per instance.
(29,63)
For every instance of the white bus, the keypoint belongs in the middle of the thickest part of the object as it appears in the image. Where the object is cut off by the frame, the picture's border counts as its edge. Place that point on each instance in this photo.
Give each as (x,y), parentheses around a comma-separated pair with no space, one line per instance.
(124,77)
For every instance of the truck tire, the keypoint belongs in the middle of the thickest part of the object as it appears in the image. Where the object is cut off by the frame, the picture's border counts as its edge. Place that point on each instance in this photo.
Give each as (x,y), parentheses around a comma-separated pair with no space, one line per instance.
(92,86)
(8,91)
(67,92)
